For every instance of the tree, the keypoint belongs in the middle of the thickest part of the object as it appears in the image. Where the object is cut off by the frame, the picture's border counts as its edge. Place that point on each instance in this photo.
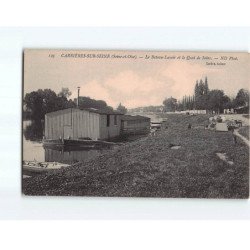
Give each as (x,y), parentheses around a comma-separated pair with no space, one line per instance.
(192,102)
(50,100)
(87,102)
(179,106)
(201,92)
(216,99)
(34,102)
(242,98)
(196,93)
(184,102)
(201,87)
(121,109)
(170,104)
(71,104)
(65,92)
(227,102)
(44,101)
(206,89)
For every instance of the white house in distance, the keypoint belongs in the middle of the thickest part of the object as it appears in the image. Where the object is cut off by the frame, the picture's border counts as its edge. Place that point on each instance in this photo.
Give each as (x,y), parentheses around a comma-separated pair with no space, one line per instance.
(76,123)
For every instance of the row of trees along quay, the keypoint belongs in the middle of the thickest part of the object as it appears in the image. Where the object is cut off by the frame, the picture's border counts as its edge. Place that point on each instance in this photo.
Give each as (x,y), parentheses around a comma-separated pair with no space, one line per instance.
(213,101)
(38,103)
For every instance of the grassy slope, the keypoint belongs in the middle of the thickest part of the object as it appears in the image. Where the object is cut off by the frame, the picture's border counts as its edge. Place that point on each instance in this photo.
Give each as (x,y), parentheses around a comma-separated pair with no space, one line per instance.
(149,168)
(244,131)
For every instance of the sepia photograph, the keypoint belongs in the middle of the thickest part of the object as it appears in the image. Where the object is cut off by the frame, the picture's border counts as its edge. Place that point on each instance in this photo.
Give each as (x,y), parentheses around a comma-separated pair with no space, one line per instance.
(124,124)
(135,124)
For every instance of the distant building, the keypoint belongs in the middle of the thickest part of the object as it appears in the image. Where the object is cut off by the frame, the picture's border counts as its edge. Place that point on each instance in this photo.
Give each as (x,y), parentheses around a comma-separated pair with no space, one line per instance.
(228,111)
(192,111)
(135,124)
(75,123)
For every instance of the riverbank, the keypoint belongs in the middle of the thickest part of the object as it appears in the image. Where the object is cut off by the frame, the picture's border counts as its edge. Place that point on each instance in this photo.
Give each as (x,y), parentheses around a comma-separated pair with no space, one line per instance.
(244,131)
(150,167)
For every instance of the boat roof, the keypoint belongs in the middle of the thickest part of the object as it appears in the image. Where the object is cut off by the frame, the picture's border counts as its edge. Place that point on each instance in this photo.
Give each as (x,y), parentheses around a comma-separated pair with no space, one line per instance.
(134,117)
(104,111)
(92,110)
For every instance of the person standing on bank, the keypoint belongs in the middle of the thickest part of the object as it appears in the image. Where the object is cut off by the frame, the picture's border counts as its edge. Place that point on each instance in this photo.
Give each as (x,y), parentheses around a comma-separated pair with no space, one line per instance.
(234,136)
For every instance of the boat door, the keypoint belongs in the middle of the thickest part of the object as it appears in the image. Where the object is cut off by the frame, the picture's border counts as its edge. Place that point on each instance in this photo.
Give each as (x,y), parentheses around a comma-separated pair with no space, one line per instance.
(67,132)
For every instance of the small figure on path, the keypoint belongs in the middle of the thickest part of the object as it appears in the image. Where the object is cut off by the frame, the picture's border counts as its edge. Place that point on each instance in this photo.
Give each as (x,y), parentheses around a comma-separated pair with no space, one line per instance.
(189,126)
(153,132)
(235,139)
(234,136)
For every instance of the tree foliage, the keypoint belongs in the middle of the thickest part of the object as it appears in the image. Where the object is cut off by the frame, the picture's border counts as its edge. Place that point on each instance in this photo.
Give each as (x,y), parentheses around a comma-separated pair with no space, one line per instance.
(227,102)
(242,98)
(201,93)
(216,100)
(170,104)
(186,104)
(121,109)
(65,92)
(44,101)
(87,102)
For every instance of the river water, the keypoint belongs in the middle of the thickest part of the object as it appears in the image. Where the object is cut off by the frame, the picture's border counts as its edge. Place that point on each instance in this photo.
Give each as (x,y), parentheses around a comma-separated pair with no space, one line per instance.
(33,147)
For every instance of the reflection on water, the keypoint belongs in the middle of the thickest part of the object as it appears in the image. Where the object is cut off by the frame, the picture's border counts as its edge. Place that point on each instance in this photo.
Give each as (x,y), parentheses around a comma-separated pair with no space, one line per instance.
(33,148)
(33,130)
(69,156)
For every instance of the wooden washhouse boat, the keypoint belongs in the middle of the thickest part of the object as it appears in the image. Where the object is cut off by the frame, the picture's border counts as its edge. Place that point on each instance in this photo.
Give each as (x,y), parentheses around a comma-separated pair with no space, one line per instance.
(76,127)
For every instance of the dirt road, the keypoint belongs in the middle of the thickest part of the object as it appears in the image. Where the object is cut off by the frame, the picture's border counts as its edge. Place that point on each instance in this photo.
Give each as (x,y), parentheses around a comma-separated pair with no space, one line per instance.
(244,139)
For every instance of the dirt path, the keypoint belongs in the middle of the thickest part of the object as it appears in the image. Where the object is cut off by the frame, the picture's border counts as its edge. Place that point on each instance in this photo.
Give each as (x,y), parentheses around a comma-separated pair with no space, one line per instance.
(244,139)
(245,121)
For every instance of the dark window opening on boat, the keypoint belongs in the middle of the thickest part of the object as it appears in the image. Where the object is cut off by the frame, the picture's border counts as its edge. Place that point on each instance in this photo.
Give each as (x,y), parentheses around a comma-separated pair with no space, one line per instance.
(115,119)
(108,120)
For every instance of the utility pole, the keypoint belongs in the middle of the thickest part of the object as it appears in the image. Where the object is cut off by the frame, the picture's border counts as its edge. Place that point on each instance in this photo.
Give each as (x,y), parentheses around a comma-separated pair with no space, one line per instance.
(78,93)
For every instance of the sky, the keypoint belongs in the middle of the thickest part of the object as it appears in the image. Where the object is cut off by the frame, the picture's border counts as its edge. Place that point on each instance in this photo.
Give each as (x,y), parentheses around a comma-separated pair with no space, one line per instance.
(133,78)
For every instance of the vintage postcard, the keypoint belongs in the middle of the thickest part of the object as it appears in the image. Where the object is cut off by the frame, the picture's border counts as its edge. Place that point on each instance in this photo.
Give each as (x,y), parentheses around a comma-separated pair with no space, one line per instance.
(135,124)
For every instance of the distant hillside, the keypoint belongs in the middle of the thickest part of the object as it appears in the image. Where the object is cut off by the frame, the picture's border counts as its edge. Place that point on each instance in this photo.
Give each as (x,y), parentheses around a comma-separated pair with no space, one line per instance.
(147,109)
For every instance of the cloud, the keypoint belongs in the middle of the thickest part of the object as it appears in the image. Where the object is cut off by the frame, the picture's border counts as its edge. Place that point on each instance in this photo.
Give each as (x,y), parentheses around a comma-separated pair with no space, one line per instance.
(134,89)
(184,76)
(127,87)
(93,89)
